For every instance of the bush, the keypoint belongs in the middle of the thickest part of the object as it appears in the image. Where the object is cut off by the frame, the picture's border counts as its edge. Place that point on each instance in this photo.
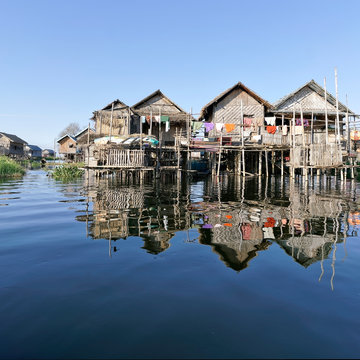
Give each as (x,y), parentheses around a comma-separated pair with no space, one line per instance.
(10,168)
(67,172)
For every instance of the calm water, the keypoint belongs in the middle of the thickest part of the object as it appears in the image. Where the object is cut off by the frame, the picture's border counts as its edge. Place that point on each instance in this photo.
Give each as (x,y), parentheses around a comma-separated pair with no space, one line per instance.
(200,269)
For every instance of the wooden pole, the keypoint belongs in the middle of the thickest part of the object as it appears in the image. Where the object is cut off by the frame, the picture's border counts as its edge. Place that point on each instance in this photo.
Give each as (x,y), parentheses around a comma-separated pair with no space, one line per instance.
(151,122)
(141,129)
(266,164)
(282,163)
(100,122)
(111,119)
(326,116)
(88,145)
(337,108)
(220,148)
(260,163)
(312,127)
(347,127)
(242,138)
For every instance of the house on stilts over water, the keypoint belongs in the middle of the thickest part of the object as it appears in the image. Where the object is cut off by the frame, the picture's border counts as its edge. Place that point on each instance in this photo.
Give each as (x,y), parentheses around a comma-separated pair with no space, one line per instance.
(318,125)
(138,136)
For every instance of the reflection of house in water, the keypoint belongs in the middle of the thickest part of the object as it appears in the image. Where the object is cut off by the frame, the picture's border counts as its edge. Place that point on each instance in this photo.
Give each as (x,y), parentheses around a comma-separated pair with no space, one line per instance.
(309,249)
(120,212)
(306,227)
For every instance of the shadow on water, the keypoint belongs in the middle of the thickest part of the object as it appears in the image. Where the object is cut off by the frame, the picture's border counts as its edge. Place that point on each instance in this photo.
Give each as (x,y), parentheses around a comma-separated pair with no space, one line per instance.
(236,218)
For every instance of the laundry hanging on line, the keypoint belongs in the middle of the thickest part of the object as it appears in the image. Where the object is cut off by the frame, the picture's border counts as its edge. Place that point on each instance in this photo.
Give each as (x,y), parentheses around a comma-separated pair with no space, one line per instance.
(298,130)
(270,120)
(271,129)
(219,126)
(156,118)
(229,127)
(208,126)
(284,130)
(248,122)
(164,118)
(197,125)
(143,119)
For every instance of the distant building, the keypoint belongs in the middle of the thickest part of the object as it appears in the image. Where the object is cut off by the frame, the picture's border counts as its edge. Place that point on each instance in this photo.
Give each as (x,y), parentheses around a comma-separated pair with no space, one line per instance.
(11,145)
(72,147)
(48,153)
(33,151)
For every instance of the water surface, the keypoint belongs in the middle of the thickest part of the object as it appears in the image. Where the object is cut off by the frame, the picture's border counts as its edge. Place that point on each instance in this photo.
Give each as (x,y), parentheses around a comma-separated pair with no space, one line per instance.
(194,268)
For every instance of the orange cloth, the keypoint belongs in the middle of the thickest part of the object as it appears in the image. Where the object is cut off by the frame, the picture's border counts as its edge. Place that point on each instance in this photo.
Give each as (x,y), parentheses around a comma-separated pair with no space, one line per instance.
(270,222)
(271,129)
(228,216)
(227,224)
(229,127)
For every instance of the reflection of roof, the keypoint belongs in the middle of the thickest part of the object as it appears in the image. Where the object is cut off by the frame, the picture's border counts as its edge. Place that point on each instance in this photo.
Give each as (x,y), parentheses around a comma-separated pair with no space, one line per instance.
(14,138)
(307,250)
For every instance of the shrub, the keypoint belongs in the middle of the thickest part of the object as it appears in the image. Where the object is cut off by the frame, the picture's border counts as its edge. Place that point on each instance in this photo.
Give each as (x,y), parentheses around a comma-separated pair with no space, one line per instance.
(67,172)
(10,168)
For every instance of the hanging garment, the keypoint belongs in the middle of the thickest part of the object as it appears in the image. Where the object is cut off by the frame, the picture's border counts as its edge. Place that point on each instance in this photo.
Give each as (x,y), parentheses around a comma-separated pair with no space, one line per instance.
(298,122)
(167,126)
(208,126)
(229,127)
(256,138)
(197,125)
(306,122)
(219,127)
(271,129)
(143,119)
(164,118)
(246,231)
(247,133)
(148,119)
(207,226)
(156,118)
(271,120)
(270,222)
(284,130)
(298,130)
(248,122)
(268,233)
(354,135)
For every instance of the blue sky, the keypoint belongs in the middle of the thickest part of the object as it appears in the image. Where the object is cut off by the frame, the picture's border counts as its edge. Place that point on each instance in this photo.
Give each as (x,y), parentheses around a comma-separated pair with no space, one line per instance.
(61,60)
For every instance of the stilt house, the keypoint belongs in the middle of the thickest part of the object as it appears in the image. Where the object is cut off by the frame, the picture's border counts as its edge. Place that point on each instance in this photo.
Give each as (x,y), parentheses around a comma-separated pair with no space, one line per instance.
(115,118)
(159,116)
(237,108)
(11,145)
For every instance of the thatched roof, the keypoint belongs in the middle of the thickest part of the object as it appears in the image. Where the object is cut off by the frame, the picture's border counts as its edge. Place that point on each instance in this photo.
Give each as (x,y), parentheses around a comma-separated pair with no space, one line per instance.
(319,90)
(106,110)
(206,109)
(14,138)
(174,111)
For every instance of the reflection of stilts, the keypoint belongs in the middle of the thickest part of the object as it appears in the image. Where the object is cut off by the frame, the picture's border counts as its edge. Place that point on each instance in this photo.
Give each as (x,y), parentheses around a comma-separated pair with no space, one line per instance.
(322,251)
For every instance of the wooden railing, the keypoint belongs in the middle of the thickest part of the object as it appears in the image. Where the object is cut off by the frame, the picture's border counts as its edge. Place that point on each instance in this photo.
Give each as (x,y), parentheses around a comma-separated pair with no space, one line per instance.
(124,158)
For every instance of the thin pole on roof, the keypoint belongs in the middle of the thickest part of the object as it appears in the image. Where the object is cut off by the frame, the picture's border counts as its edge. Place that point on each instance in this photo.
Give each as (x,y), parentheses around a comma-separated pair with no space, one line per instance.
(337,107)
(111,120)
(326,116)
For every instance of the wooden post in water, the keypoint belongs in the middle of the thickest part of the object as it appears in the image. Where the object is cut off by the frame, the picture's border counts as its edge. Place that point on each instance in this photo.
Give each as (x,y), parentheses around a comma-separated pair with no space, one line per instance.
(260,163)
(266,164)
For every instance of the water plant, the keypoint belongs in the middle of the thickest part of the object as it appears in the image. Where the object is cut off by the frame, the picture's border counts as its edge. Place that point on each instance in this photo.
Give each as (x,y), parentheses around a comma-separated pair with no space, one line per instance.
(67,172)
(10,168)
